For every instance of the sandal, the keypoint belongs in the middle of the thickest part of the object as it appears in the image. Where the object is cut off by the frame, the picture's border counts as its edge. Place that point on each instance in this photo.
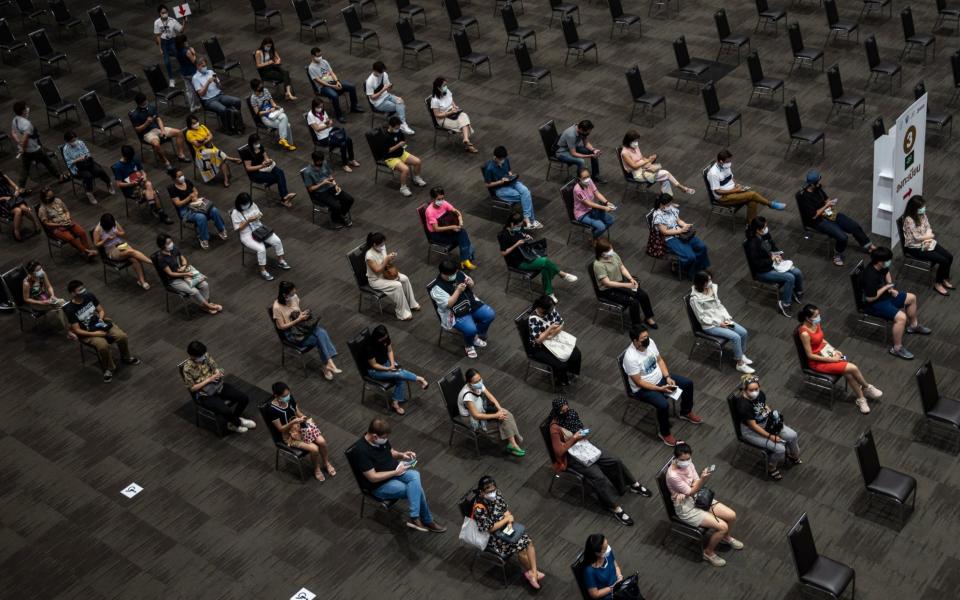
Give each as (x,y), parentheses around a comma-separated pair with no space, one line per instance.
(533,581)
(775,474)
(143,285)
(794,460)
(398,409)
(331,470)
(319,475)
(516,451)
(347,169)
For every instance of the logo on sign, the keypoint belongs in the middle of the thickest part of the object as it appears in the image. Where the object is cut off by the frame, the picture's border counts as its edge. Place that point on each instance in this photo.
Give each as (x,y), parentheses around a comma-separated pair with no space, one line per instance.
(909,140)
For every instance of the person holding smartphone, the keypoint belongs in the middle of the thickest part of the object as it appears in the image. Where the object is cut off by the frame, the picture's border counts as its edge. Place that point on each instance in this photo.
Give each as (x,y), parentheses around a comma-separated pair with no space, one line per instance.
(590,207)
(205,380)
(88,321)
(819,211)
(298,430)
(602,576)
(885,301)
(507,537)
(716,320)
(480,407)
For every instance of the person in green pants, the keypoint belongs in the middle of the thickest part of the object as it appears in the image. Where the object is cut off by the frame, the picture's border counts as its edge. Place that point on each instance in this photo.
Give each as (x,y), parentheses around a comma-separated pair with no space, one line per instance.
(512,238)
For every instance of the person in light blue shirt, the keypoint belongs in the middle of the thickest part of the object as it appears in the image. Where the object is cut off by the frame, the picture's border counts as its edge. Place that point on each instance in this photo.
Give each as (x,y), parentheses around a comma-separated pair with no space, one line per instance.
(207,84)
(82,166)
(506,185)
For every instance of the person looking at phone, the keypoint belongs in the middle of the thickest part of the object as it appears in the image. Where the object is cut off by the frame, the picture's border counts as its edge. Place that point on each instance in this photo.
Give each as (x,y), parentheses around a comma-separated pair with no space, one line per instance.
(590,207)
(298,430)
(384,276)
(679,236)
(602,576)
(478,404)
(507,537)
(818,211)
(205,380)
(452,293)
(885,301)
(607,476)
(617,284)
(389,474)
(573,148)
(111,237)
(382,365)
(652,382)
(754,415)
(727,191)
(716,320)
(512,237)
(302,328)
(88,321)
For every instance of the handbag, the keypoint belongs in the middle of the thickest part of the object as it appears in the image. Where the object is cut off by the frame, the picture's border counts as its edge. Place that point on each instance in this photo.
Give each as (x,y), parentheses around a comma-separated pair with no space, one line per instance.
(261,233)
(471,535)
(656,245)
(462,308)
(391,272)
(212,389)
(518,530)
(301,330)
(774,423)
(201,205)
(448,218)
(687,235)
(704,499)
(628,588)
(585,452)
(533,250)
(337,137)
(561,345)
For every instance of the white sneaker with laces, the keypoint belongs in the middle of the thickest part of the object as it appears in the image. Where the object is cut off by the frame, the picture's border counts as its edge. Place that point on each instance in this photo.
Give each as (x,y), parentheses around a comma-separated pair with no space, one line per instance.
(419,180)
(745,368)
(248,423)
(863,406)
(406,129)
(236,429)
(536,225)
(746,360)
(570,277)
(405,191)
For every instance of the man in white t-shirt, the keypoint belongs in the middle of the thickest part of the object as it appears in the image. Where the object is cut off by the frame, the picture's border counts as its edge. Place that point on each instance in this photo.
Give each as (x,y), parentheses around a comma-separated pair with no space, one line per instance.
(165,31)
(378,89)
(651,382)
(725,190)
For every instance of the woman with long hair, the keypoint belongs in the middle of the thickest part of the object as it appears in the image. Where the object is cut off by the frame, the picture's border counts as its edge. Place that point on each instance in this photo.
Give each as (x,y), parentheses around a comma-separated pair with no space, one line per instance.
(920,242)
(448,115)
(507,537)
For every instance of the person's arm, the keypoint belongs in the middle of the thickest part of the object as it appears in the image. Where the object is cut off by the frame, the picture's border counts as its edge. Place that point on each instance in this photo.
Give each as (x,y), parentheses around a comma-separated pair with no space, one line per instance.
(303,316)
(98,240)
(258,58)
(284,428)
(456,294)
(215,376)
(513,247)
(203,88)
(476,414)
(881,291)
(276,57)
(560,446)
(374,476)
(174,274)
(627,277)
(648,386)
(391,358)
(808,350)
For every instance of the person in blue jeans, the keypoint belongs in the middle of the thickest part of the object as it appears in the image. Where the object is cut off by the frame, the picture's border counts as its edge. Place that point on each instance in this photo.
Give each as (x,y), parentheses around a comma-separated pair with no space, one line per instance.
(679,237)
(191,207)
(883,300)
(458,307)
(716,320)
(506,185)
(165,31)
(389,474)
(766,264)
(590,207)
(302,328)
(382,366)
(574,149)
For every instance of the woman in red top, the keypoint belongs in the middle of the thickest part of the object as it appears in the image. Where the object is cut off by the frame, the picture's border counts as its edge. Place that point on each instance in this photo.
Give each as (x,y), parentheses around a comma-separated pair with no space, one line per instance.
(824,358)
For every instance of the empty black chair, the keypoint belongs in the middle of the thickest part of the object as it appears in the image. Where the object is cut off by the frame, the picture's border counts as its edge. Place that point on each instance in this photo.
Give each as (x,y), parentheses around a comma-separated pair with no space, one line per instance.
(361,5)
(761,84)
(955,69)
(411,45)
(800,134)
(567,473)
(843,100)
(350,454)
(860,301)
(717,116)
(820,573)
(515,33)
(218,61)
(52,100)
(458,21)
(8,43)
(697,534)
(468,56)
(816,379)
(728,41)
(946,14)
(878,67)
(938,411)
(801,54)
(358,266)
(702,338)
(358,351)
(45,52)
(529,73)
(765,16)
(941,119)
(882,482)
(558,8)
(688,70)
(262,13)
(308,22)
(357,32)
(574,44)
(289,453)
(835,26)
(408,11)
(99,120)
(29,12)
(158,85)
(64,20)
(912,39)
(870,5)
(116,76)
(640,96)
(549,137)
(620,19)
(105,33)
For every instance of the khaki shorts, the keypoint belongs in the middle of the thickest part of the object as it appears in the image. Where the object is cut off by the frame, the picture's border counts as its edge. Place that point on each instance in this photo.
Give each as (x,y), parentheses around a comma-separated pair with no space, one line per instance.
(153,136)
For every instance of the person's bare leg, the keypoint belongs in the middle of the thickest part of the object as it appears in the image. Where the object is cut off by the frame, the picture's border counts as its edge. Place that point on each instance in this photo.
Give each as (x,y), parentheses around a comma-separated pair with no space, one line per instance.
(158,150)
(899,324)
(912,309)
(727,515)
(404,173)
(720,531)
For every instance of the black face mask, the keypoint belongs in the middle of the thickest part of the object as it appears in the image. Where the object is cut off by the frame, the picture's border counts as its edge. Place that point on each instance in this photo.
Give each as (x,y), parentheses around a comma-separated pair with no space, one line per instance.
(644,344)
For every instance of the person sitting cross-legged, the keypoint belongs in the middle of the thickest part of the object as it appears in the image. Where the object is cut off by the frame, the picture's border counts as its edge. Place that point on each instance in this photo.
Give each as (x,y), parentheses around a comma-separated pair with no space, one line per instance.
(55,216)
(88,321)
(205,380)
(885,301)
(506,186)
(727,191)
(191,207)
(302,328)
(459,308)
(111,236)
(298,430)
(324,189)
(481,408)
(445,226)
(646,169)
(184,277)
(391,147)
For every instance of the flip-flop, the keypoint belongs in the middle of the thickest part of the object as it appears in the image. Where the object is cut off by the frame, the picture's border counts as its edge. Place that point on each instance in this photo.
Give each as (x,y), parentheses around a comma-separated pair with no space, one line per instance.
(318,475)
(331,471)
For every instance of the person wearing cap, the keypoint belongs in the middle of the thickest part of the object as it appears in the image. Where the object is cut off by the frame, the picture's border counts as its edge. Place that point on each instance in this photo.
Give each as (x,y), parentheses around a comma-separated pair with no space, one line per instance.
(728,191)
(818,212)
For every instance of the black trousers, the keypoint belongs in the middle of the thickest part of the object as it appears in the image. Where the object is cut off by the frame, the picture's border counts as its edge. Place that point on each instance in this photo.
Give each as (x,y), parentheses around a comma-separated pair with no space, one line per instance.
(940,256)
(229,403)
(338,204)
(39,156)
(636,299)
(275,73)
(561,369)
(607,476)
(88,170)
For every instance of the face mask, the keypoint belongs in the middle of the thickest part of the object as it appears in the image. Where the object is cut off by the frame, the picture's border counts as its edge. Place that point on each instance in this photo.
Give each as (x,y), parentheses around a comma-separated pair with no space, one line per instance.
(438,202)
(38,273)
(815,320)
(181,179)
(887,263)
(205,70)
(256,147)
(195,126)
(683,464)
(922,210)
(382,248)
(285,398)
(450,277)
(318,111)
(609,550)
(318,59)
(753,395)
(80,292)
(291,297)
(268,48)
(608,253)
(585,182)
(26,112)
(634,144)
(202,359)
(244,207)
(168,247)
(728,165)
(380,441)
(163,16)
(643,345)
(490,496)
(765,231)
(478,386)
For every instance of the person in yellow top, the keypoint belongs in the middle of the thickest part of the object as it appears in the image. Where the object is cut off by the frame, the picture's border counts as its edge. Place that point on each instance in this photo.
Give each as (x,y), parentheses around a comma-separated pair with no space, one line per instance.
(210,159)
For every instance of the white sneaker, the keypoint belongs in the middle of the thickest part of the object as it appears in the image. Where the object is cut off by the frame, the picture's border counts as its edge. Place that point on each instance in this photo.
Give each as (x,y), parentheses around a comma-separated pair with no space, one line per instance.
(863,406)
(569,277)
(406,129)
(479,342)
(872,392)
(173,83)
(419,180)
(536,225)
(744,368)
(235,429)
(249,424)
(405,191)
(554,298)
(714,560)
(746,360)
(471,352)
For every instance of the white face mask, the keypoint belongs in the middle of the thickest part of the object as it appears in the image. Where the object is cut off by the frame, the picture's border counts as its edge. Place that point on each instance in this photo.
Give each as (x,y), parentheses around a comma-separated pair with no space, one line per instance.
(181,179)
(609,550)
(318,59)
(195,126)
(491,495)
(267,48)
(608,253)
(382,248)
(683,464)
(753,395)
(635,144)
(380,441)
(765,231)
(585,182)
(244,207)
(168,246)
(205,70)
(444,89)
(38,273)
(438,202)
(26,112)
(728,165)
(256,147)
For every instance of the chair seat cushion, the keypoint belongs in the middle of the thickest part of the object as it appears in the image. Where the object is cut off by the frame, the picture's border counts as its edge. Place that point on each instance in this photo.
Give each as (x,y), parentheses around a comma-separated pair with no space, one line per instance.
(314,23)
(267,12)
(773,15)
(475,58)
(566,8)
(109,33)
(703,335)
(411,9)
(847,26)
(464,21)
(123,78)
(893,483)
(363,34)
(370,290)
(538,72)
(521,32)
(53,57)
(809,53)
(694,69)
(13,47)
(887,68)
(736,40)
(726,115)
(227,65)
(417,45)
(62,107)
(169,93)
(924,39)
(828,574)
(946,410)
(70,23)
(626,19)
(939,118)
(808,134)
(849,100)
(651,99)
(582,45)
(298,452)
(770,83)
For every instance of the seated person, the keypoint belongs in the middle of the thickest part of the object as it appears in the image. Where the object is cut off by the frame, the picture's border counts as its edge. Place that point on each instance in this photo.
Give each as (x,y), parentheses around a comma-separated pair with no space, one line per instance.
(478,404)
(445,226)
(246,218)
(646,169)
(819,212)
(270,113)
(824,358)
(884,301)
(302,327)
(602,576)
(574,149)
(651,382)
(716,320)
(135,184)
(391,147)
(727,191)
(82,166)
(205,380)
(512,237)
(382,365)
(88,321)
(606,475)
(383,276)
(191,207)
(684,483)
(148,125)
(322,126)
(184,277)
(269,67)
(324,189)
(262,169)
(55,216)
(110,235)
(506,539)
(13,206)
(38,295)
(331,86)
(210,159)
(921,243)
(298,430)
(506,186)
(459,308)
(590,207)
(379,91)
(545,326)
(680,236)
(618,285)
(387,478)
(767,265)
(448,115)
(754,413)
(207,85)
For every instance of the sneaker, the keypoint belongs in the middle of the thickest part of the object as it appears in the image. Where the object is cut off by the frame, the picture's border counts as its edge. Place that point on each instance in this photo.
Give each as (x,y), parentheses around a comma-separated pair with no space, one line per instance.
(133,360)
(204,244)
(692,417)
(838,260)
(471,352)
(236,428)
(733,543)
(668,439)
(745,368)
(535,224)
(775,205)
(112,190)
(7,306)
(173,83)
(223,234)
(479,342)
(863,406)
(797,296)
(466,264)
(406,129)
(901,352)
(286,145)
(416,525)
(249,424)
(405,191)
(623,518)
(435,527)
(107,376)
(266,275)
(284,265)
(714,560)
(919,330)
(570,277)
(419,181)
(872,392)
(784,309)
(91,199)
(746,360)
(643,491)
(554,298)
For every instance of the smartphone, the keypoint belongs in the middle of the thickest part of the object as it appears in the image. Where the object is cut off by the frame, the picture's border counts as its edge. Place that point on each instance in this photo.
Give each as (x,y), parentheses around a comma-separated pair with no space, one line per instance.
(410,463)
(713,468)
(585,431)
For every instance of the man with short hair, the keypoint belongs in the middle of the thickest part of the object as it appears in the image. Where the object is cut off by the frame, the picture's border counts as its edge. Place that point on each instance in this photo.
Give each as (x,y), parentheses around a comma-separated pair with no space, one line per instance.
(818,211)
(651,382)
(205,380)
(134,183)
(885,302)
(390,146)
(379,91)
(324,189)
(165,31)
(573,148)
(89,322)
(506,185)
(389,474)
(325,79)
(207,84)
(149,127)
(29,149)
(727,191)
(81,165)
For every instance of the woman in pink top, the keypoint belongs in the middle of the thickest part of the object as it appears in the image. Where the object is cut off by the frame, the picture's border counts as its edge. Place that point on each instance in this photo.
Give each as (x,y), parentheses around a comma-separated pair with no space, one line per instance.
(590,207)
(646,169)
(444,226)
(683,483)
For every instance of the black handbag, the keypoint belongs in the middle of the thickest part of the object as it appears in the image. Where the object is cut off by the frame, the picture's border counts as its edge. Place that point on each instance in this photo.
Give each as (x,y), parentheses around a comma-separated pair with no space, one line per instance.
(704,499)
(687,235)
(628,588)
(462,308)
(337,137)
(774,423)
(261,233)
(533,250)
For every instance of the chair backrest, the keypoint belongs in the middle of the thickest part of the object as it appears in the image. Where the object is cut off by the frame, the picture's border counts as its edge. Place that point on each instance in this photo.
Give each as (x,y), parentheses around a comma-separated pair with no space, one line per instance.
(351,455)
(710,101)
(258,5)
(873,53)
(665,491)
(523,328)
(566,194)
(755,68)
(856,286)
(695,325)
(13,281)
(569,30)
(352,19)
(402,4)
(358,265)
(214,51)
(635,81)
(627,175)
(830,7)
(358,351)
(706,184)
(867,457)
(110,63)
(275,435)
(99,19)
(549,137)
(453,9)
(276,330)
(483,175)
(927,383)
(625,379)
(422,213)
(762,6)
(155,259)
(723,26)
(955,67)
(156,78)
(304,14)
(523,57)
(900,231)
(746,254)
(450,387)
(878,128)
(802,545)
(919,90)
(371,137)
(796,38)
(732,400)
(941,5)
(906,20)
(49,93)
(616,9)
(836,83)
(509,18)
(462,43)
(680,52)
(405,30)
(801,353)
(6,35)
(545,434)
(92,107)
(792,113)
(593,279)
(61,14)
(40,42)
